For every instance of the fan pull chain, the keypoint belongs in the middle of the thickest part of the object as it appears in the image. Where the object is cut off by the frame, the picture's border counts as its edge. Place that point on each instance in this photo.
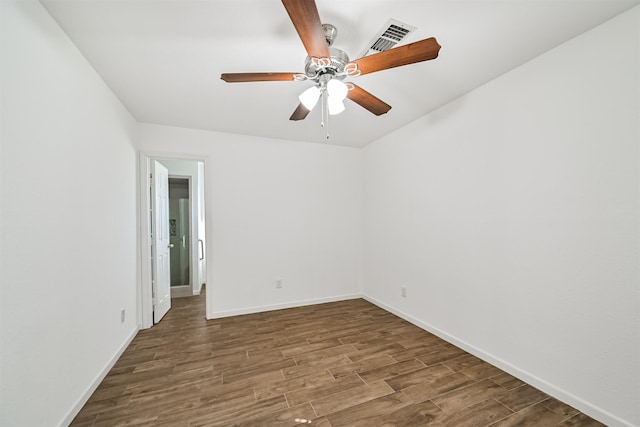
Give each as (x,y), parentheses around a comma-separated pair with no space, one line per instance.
(326,123)
(323,106)
(327,127)
(325,111)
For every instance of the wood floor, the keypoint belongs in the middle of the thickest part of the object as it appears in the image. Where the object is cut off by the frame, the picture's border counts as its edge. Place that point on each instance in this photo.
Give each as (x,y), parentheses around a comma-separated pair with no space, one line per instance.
(347,363)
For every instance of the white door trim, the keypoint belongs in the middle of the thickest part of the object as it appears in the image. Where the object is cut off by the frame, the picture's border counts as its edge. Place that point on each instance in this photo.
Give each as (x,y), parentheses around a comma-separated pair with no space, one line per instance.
(145,300)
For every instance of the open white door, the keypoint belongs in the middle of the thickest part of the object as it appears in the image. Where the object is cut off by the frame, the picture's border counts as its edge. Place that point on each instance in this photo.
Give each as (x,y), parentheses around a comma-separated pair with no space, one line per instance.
(161,277)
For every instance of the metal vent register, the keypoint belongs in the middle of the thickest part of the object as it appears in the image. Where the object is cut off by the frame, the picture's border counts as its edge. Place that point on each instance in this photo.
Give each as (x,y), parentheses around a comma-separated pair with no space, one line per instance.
(391,34)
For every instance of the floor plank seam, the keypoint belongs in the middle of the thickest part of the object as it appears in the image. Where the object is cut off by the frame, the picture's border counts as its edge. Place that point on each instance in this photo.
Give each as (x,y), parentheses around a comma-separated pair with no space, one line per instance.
(435,404)
(500,403)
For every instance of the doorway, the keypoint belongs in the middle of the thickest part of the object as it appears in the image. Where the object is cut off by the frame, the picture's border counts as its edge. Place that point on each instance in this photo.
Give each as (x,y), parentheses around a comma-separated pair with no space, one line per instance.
(190,276)
(180,236)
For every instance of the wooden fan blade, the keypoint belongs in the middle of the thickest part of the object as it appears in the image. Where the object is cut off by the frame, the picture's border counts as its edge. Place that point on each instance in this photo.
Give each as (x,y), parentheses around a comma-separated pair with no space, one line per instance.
(300,113)
(304,15)
(257,77)
(419,51)
(368,101)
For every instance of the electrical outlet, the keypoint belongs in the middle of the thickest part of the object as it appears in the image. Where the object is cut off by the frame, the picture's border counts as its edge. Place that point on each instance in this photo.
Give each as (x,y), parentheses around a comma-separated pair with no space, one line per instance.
(403,292)
(278,283)
(122,314)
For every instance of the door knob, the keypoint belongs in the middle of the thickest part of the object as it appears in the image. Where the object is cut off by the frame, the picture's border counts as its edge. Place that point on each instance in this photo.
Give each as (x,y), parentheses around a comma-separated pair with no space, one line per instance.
(170,245)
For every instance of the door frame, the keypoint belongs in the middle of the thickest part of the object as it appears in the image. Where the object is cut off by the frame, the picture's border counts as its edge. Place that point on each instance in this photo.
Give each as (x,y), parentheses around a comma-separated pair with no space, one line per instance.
(144,294)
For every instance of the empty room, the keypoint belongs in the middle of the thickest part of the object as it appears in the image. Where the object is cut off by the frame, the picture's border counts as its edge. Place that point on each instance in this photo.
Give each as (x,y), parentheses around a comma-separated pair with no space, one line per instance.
(326,213)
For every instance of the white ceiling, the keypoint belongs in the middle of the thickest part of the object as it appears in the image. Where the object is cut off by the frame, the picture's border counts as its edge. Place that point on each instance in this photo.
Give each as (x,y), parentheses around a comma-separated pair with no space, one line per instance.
(163,58)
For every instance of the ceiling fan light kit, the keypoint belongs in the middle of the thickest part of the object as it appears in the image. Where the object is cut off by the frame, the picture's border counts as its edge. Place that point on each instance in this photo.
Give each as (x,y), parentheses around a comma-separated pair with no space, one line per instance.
(337,89)
(335,106)
(327,66)
(309,98)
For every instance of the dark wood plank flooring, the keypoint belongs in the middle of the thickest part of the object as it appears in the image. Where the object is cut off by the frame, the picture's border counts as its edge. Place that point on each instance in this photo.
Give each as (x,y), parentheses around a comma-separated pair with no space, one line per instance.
(347,363)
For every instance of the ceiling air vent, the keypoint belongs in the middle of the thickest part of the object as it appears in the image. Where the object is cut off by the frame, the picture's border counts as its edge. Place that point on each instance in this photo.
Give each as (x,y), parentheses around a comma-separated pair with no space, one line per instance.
(391,34)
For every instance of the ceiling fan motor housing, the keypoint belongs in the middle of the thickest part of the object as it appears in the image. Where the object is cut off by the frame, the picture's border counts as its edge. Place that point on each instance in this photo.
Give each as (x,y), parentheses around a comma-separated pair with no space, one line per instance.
(335,65)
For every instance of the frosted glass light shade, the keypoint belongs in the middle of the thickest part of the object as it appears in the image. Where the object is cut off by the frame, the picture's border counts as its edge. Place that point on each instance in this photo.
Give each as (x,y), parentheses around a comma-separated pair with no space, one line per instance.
(337,89)
(336,106)
(309,98)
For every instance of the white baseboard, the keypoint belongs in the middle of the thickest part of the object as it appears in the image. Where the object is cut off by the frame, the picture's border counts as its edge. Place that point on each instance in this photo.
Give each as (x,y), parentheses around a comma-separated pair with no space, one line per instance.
(587,408)
(96,381)
(198,291)
(293,304)
(181,291)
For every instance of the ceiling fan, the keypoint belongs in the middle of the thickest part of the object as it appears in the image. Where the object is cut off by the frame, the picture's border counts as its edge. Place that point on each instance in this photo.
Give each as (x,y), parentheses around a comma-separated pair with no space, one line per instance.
(326,66)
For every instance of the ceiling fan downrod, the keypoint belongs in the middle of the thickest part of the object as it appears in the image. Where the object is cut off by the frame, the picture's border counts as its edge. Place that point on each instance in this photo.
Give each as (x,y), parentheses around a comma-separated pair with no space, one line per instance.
(330,33)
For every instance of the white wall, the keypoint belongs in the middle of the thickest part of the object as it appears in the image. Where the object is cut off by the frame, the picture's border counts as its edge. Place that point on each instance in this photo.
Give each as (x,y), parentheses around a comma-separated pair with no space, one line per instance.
(276,209)
(68,251)
(511,216)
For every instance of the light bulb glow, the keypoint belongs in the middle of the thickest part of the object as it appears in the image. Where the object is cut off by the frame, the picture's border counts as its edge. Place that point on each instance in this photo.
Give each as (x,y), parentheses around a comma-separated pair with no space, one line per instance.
(337,89)
(309,98)
(336,106)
